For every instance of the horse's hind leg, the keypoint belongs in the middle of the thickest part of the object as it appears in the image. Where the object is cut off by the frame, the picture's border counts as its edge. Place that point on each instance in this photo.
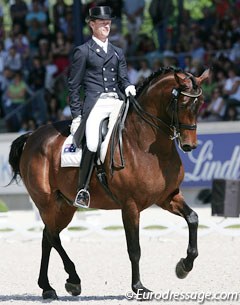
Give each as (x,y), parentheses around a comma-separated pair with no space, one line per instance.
(73,284)
(178,206)
(130,216)
(43,282)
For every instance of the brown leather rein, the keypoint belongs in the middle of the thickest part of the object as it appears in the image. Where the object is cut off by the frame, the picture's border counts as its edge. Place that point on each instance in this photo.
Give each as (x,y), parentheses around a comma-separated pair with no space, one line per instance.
(175,125)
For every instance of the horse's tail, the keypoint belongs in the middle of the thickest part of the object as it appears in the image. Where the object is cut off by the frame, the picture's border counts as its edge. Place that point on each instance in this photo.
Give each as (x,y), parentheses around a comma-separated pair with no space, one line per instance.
(15,155)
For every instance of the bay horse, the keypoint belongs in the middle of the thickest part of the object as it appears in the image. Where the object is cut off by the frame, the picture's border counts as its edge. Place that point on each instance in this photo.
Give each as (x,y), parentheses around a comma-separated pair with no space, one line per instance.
(165,108)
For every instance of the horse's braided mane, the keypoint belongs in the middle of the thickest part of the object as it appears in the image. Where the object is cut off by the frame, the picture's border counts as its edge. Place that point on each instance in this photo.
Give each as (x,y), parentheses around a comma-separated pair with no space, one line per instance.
(155,75)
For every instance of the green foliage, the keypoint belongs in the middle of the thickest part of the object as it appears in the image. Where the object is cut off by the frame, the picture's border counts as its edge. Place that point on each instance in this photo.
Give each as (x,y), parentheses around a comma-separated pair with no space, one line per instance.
(195,7)
(3,207)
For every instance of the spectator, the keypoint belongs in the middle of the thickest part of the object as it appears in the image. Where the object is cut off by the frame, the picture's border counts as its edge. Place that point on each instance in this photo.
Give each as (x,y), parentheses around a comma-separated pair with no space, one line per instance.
(185,36)
(37,75)
(53,109)
(44,49)
(22,47)
(66,113)
(33,32)
(231,114)
(61,49)
(18,12)
(143,72)
(5,80)
(36,82)
(67,27)
(13,59)
(209,87)
(156,65)
(197,49)
(60,9)
(215,110)
(31,124)
(16,94)
(221,77)
(222,7)
(51,71)
(117,38)
(169,58)
(45,34)
(161,11)
(36,13)
(3,56)
(44,5)
(132,73)
(232,89)
(134,11)
(9,41)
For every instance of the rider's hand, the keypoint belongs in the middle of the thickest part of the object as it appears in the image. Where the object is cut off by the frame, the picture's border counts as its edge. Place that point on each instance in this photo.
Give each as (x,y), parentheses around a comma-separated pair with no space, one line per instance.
(130,90)
(75,123)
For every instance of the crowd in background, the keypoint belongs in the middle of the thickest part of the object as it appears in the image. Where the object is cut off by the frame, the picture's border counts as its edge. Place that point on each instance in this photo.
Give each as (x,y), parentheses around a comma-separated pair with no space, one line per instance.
(35,54)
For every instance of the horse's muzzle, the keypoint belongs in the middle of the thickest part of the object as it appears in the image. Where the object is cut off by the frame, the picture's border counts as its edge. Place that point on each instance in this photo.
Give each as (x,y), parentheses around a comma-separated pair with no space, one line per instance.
(187,147)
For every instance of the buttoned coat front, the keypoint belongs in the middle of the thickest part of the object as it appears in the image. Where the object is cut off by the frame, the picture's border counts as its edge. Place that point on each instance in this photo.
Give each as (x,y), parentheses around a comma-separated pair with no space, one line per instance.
(96,72)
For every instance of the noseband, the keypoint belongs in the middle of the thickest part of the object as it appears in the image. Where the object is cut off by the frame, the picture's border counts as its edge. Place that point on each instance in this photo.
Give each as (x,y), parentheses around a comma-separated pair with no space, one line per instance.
(175,125)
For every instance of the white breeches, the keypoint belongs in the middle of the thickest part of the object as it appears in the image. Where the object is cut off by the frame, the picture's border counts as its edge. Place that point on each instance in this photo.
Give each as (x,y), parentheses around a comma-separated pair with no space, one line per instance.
(104,108)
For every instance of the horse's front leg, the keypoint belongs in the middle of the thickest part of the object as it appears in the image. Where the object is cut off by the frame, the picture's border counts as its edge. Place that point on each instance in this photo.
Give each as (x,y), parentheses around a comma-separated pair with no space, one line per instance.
(185,265)
(178,206)
(130,216)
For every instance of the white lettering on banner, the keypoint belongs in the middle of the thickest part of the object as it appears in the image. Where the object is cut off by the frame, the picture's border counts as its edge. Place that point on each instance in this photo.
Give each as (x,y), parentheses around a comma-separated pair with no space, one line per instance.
(206,169)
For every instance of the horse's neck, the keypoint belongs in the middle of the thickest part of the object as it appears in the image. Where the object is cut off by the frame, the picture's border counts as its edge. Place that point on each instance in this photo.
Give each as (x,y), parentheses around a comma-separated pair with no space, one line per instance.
(146,137)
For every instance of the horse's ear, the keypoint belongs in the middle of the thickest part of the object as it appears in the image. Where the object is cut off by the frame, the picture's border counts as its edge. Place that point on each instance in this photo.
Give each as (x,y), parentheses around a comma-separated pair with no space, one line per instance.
(203,77)
(180,78)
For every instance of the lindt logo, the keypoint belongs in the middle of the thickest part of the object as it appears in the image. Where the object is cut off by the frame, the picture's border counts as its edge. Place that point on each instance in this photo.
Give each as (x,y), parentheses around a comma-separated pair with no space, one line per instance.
(206,169)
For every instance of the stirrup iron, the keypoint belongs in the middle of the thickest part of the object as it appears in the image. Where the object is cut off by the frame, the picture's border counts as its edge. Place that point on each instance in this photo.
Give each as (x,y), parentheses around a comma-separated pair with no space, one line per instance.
(82,199)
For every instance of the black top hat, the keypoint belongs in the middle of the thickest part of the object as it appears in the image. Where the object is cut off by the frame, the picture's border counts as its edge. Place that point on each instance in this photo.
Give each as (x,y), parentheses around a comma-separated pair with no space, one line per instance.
(100,12)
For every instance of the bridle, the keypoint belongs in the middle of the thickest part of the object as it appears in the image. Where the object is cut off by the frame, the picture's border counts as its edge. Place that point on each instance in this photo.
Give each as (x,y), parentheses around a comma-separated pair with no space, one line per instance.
(175,125)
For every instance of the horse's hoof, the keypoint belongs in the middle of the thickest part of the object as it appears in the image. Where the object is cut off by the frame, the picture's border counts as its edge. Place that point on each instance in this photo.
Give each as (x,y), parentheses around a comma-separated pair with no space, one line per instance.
(73,289)
(50,294)
(142,293)
(180,270)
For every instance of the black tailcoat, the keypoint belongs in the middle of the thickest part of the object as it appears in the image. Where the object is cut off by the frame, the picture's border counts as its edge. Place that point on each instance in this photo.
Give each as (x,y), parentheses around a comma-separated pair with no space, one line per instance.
(96,72)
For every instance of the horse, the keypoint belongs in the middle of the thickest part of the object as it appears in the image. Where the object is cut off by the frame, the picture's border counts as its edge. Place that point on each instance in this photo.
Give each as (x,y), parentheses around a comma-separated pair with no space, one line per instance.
(161,116)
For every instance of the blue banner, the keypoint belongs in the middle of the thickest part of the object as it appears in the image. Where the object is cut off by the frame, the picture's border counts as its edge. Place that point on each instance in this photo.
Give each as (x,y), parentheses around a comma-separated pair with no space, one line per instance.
(217,156)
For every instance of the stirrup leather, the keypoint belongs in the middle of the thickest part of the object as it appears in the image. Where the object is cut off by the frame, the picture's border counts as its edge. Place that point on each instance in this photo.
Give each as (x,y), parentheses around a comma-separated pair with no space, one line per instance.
(82,199)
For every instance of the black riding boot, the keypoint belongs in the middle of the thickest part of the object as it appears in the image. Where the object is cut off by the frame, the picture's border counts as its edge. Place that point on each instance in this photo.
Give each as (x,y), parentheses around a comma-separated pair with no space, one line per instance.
(86,167)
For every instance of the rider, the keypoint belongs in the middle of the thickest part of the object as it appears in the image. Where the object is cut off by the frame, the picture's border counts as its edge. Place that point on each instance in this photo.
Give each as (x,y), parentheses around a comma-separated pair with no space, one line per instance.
(100,69)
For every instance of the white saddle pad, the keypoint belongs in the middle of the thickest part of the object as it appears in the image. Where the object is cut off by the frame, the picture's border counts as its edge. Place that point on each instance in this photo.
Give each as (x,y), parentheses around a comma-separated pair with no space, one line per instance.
(70,155)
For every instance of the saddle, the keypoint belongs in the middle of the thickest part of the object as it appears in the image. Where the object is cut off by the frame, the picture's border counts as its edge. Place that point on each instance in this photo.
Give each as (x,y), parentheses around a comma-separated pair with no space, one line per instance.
(72,150)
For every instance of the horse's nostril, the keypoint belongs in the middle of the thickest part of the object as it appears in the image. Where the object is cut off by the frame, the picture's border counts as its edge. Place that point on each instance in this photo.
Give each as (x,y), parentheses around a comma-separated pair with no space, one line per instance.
(187,147)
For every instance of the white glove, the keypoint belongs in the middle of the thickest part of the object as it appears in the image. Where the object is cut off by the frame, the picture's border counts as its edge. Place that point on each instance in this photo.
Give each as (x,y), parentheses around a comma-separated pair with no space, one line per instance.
(75,124)
(130,90)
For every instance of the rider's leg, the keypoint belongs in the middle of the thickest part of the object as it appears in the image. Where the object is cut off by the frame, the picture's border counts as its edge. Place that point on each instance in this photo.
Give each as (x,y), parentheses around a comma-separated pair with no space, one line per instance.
(98,113)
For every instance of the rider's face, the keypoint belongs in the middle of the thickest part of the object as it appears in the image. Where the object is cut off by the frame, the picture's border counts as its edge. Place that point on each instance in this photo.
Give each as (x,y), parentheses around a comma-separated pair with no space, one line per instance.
(101,28)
